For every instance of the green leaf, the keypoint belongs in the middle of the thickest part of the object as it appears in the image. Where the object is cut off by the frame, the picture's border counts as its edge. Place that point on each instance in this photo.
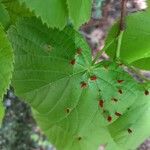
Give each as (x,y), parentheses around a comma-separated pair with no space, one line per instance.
(56,13)
(143,63)
(6,63)
(4,17)
(54,74)
(135,43)
(79,11)
(52,12)
(15,10)
(136,120)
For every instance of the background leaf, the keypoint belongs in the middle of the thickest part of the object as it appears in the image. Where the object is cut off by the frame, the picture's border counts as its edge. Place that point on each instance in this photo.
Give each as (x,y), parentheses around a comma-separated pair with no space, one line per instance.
(79,11)
(15,10)
(56,13)
(4,16)
(52,12)
(143,63)
(6,65)
(135,43)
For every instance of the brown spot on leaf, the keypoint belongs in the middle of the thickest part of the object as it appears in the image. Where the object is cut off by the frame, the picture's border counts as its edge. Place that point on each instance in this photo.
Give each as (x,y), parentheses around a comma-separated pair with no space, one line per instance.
(83,84)
(114,99)
(129,131)
(67,110)
(104,111)
(120,64)
(118,114)
(79,51)
(72,62)
(79,138)
(101,103)
(146,92)
(93,78)
(120,91)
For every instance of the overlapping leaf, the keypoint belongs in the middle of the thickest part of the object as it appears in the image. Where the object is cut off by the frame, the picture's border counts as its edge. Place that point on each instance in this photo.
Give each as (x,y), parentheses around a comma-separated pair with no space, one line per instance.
(73,101)
(135,44)
(79,11)
(6,65)
(4,16)
(56,13)
(15,10)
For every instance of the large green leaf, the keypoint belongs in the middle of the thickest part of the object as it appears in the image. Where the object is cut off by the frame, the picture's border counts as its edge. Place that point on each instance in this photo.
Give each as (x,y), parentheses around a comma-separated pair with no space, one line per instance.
(135,43)
(6,66)
(79,11)
(73,100)
(4,17)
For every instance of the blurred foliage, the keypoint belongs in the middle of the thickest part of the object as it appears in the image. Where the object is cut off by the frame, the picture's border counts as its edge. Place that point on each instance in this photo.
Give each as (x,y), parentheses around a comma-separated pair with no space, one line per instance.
(19,130)
(97,9)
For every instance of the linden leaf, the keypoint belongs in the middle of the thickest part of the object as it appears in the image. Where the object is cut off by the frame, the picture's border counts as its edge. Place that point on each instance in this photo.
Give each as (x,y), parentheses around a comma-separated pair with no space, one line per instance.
(73,101)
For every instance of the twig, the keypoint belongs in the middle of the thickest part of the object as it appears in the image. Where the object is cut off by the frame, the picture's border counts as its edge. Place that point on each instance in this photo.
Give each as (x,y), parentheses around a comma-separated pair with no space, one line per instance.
(121,27)
(123,14)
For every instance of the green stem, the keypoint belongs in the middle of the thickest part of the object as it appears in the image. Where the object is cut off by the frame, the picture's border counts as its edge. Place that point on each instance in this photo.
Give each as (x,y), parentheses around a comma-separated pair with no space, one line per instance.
(119,44)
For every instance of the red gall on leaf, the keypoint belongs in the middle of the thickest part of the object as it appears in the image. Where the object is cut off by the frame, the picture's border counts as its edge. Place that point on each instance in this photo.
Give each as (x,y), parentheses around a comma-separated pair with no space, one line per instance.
(93,78)
(118,114)
(101,103)
(109,118)
(146,92)
(129,131)
(83,84)
(72,62)
(120,81)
